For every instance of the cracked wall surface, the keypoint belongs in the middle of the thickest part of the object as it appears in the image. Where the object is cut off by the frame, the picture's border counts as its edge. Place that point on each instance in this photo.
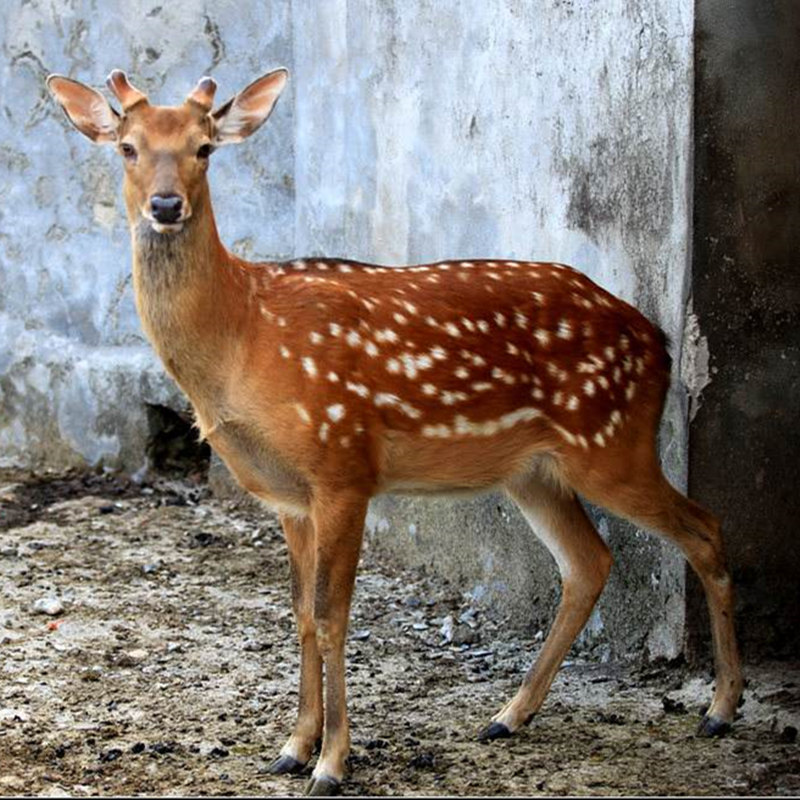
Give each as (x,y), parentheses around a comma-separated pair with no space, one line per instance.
(411,132)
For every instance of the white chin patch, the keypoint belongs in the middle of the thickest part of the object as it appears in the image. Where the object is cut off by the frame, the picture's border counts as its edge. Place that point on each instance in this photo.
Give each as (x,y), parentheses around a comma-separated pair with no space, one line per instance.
(159,227)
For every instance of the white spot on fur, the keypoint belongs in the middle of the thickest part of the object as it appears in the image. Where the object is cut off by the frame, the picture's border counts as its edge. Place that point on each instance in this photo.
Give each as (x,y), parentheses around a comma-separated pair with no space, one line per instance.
(302,412)
(439,353)
(335,412)
(386,399)
(429,389)
(323,431)
(500,319)
(542,336)
(588,388)
(452,329)
(316,338)
(309,366)
(461,372)
(436,431)
(564,329)
(464,426)
(285,351)
(357,388)
(353,338)
(333,377)
(336,330)
(451,398)
(386,335)
(573,403)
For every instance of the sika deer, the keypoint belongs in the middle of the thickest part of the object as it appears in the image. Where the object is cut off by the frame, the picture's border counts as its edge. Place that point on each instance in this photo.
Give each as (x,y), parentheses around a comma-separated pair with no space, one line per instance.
(323,382)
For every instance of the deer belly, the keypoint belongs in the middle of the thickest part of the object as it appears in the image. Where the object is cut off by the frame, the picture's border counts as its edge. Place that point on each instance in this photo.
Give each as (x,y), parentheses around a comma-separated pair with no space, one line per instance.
(260,468)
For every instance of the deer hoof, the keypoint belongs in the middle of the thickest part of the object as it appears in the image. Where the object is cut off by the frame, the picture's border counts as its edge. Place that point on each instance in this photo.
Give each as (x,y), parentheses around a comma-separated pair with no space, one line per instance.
(495,731)
(712,726)
(286,765)
(324,786)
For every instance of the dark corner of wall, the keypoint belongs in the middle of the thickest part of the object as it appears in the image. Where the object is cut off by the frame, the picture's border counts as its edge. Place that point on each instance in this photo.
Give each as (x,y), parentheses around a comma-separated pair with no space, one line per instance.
(745,438)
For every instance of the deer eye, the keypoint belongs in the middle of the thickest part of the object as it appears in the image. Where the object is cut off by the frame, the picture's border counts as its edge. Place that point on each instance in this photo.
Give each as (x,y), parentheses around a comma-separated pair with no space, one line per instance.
(205,151)
(128,150)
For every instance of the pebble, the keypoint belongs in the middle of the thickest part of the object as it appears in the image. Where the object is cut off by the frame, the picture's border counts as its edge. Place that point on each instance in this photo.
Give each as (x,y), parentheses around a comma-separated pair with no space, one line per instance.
(131,658)
(447,629)
(48,605)
(360,635)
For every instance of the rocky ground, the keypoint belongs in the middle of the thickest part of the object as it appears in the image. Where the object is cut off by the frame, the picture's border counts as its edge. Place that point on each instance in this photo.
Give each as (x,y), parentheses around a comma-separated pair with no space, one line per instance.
(147,648)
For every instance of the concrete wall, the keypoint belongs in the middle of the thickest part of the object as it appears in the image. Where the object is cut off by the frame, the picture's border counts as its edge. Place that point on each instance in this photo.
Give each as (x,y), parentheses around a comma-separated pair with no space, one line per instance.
(547,130)
(411,131)
(745,437)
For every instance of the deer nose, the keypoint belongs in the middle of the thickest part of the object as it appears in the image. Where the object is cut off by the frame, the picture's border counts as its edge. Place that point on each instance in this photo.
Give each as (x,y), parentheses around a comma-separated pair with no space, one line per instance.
(166,208)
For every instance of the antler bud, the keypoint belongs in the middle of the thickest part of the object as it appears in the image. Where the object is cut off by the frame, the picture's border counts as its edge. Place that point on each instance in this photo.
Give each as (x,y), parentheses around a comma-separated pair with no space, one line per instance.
(128,95)
(203,93)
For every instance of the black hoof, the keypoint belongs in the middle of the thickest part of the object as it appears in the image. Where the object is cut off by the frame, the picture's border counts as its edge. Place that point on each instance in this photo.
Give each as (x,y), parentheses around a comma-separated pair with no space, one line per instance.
(495,731)
(712,726)
(286,765)
(323,787)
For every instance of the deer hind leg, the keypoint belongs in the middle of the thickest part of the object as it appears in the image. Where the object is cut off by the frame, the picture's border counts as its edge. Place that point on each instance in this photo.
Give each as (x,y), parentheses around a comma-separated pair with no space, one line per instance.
(647,499)
(297,751)
(584,561)
(339,526)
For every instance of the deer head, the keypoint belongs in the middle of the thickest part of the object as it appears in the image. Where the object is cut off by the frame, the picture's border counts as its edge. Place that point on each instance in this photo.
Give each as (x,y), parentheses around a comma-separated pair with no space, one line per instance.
(166,149)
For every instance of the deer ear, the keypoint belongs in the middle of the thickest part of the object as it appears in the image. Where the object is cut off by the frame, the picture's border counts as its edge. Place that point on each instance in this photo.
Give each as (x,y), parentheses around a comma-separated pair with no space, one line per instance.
(245,113)
(86,109)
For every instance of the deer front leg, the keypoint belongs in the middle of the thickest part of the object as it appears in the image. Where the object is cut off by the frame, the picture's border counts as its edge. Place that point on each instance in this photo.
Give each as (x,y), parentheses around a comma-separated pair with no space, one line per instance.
(339,526)
(297,751)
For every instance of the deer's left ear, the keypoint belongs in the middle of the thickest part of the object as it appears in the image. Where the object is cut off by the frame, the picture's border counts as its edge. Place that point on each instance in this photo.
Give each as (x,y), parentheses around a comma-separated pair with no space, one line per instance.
(245,113)
(86,109)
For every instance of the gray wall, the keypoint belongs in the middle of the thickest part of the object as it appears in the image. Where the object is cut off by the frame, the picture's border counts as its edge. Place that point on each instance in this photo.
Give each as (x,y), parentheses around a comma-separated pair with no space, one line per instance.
(745,438)
(411,131)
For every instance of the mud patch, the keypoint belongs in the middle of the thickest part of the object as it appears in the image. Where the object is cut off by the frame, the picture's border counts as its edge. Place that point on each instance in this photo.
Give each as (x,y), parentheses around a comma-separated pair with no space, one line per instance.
(169,666)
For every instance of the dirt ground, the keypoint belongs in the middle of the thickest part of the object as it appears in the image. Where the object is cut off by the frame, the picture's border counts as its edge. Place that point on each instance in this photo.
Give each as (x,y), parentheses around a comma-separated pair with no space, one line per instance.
(147,648)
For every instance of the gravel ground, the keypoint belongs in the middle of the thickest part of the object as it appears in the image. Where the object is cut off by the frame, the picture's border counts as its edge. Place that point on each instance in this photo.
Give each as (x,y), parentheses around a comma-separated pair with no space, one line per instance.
(147,648)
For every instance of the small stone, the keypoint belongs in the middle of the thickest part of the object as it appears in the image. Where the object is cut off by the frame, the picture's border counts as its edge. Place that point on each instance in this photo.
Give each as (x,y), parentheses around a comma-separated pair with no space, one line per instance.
(149,569)
(130,658)
(447,629)
(420,626)
(48,605)
(360,635)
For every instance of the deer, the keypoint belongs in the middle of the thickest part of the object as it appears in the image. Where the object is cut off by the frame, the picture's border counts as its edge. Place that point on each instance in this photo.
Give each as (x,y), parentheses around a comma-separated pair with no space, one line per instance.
(323,382)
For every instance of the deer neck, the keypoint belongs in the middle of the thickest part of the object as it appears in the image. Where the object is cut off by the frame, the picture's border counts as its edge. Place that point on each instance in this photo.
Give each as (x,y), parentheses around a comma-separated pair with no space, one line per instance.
(185,290)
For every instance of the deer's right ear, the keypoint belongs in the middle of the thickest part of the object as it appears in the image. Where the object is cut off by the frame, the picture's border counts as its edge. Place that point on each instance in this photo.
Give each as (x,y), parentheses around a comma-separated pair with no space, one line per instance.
(86,109)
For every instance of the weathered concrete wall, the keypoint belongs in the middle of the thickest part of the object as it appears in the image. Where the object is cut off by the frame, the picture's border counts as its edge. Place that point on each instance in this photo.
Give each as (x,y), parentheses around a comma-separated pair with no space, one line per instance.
(412,131)
(745,437)
(75,371)
(549,130)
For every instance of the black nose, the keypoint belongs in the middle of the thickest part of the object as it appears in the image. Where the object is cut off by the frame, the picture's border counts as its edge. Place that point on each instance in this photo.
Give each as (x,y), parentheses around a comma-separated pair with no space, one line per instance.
(166,208)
